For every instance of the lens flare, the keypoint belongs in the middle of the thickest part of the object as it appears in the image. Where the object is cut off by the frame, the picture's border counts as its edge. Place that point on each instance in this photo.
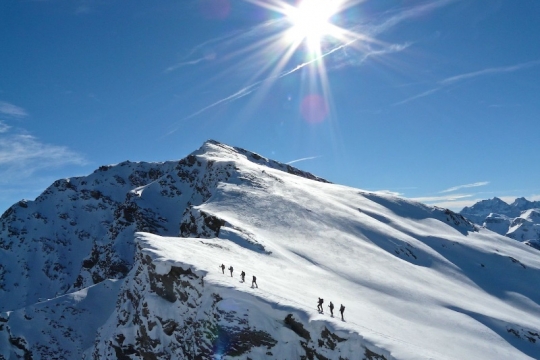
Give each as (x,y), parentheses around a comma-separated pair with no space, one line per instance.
(314,108)
(295,39)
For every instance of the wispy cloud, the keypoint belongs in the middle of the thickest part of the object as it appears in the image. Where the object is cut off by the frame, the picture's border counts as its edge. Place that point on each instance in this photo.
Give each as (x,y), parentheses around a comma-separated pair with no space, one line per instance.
(209,49)
(461,77)
(421,95)
(4,127)
(476,184)
(190,62)
(256,85)
(430,199)
(344,59)
(456,205)
(495,70)
(22,155)
(406,14)
(12,110)
(498,106)
(303,159)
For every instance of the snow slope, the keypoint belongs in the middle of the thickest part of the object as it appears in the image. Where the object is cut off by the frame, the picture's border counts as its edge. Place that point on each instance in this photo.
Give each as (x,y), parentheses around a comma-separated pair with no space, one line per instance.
(418,282)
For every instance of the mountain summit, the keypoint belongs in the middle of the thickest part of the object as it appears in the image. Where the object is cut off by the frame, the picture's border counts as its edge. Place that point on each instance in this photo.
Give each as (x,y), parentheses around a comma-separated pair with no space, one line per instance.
(125,263)
(519,220)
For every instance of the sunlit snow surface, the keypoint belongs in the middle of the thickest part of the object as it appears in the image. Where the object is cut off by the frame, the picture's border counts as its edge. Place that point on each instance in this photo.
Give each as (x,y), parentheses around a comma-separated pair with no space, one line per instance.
(418,282)
(411,283)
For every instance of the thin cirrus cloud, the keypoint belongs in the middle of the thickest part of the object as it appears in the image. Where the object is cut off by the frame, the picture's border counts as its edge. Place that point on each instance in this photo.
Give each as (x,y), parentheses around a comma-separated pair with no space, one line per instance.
(4,127)
(22,155)
(303,159)
(12,110)
(496,70)
(418,96)
(431,199)
(470,75)
(476,184)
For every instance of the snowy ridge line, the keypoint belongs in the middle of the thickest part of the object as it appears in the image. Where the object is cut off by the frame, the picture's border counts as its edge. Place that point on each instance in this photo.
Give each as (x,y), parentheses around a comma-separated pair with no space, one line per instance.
(303,309)
(414,278)
(227,283)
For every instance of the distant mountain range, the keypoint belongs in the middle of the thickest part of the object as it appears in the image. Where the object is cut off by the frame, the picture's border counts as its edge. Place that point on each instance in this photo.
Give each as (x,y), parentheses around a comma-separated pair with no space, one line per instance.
(125,264)
(519,220)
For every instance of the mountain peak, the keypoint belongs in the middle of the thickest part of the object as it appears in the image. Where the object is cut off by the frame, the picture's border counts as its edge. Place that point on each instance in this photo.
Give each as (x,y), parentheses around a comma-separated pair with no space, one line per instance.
(516,220)
(483,208)
(133,250)
(524,204)
(217,150)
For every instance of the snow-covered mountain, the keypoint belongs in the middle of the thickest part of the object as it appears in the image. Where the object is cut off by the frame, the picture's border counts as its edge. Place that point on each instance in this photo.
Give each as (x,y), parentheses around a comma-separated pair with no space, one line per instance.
(124,264)
(519,220)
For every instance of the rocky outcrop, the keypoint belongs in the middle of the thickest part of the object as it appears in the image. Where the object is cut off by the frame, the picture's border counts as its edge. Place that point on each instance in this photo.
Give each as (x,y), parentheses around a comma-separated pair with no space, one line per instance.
(83,227)
(169,312)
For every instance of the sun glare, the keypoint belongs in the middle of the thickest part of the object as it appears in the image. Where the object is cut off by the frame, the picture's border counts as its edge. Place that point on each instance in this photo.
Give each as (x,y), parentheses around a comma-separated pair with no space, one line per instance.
(308,31)
(311,22)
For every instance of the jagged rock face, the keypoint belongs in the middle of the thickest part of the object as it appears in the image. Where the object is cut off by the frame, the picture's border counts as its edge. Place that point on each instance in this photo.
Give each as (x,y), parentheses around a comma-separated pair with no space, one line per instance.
(122,264)
(176,314)
(519,220)
(172,314)
(62,241)
(79,231)
(59,328)
(497,223)
(526,228)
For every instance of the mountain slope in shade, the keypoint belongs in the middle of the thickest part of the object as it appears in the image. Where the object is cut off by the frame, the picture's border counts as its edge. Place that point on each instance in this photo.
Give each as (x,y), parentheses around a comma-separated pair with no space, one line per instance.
(519,220)
(143,281)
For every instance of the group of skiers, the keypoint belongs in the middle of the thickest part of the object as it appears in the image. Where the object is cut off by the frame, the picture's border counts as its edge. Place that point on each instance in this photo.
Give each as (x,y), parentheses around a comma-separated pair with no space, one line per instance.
(331,306)
(254,283)
(242,275)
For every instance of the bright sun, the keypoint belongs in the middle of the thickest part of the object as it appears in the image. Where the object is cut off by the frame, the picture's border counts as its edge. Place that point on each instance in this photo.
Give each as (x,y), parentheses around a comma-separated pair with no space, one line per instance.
(311,22)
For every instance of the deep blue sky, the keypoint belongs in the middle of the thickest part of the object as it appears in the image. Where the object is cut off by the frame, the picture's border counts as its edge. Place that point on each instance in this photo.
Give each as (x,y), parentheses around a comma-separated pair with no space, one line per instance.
(434,100)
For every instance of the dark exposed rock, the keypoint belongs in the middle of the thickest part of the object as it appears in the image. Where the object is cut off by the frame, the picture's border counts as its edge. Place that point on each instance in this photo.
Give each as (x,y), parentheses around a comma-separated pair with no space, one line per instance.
(22,345)
(236,342)
(370,355)
(532,336)
(297,327)
(197,223)
(330,339)
(166,285)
